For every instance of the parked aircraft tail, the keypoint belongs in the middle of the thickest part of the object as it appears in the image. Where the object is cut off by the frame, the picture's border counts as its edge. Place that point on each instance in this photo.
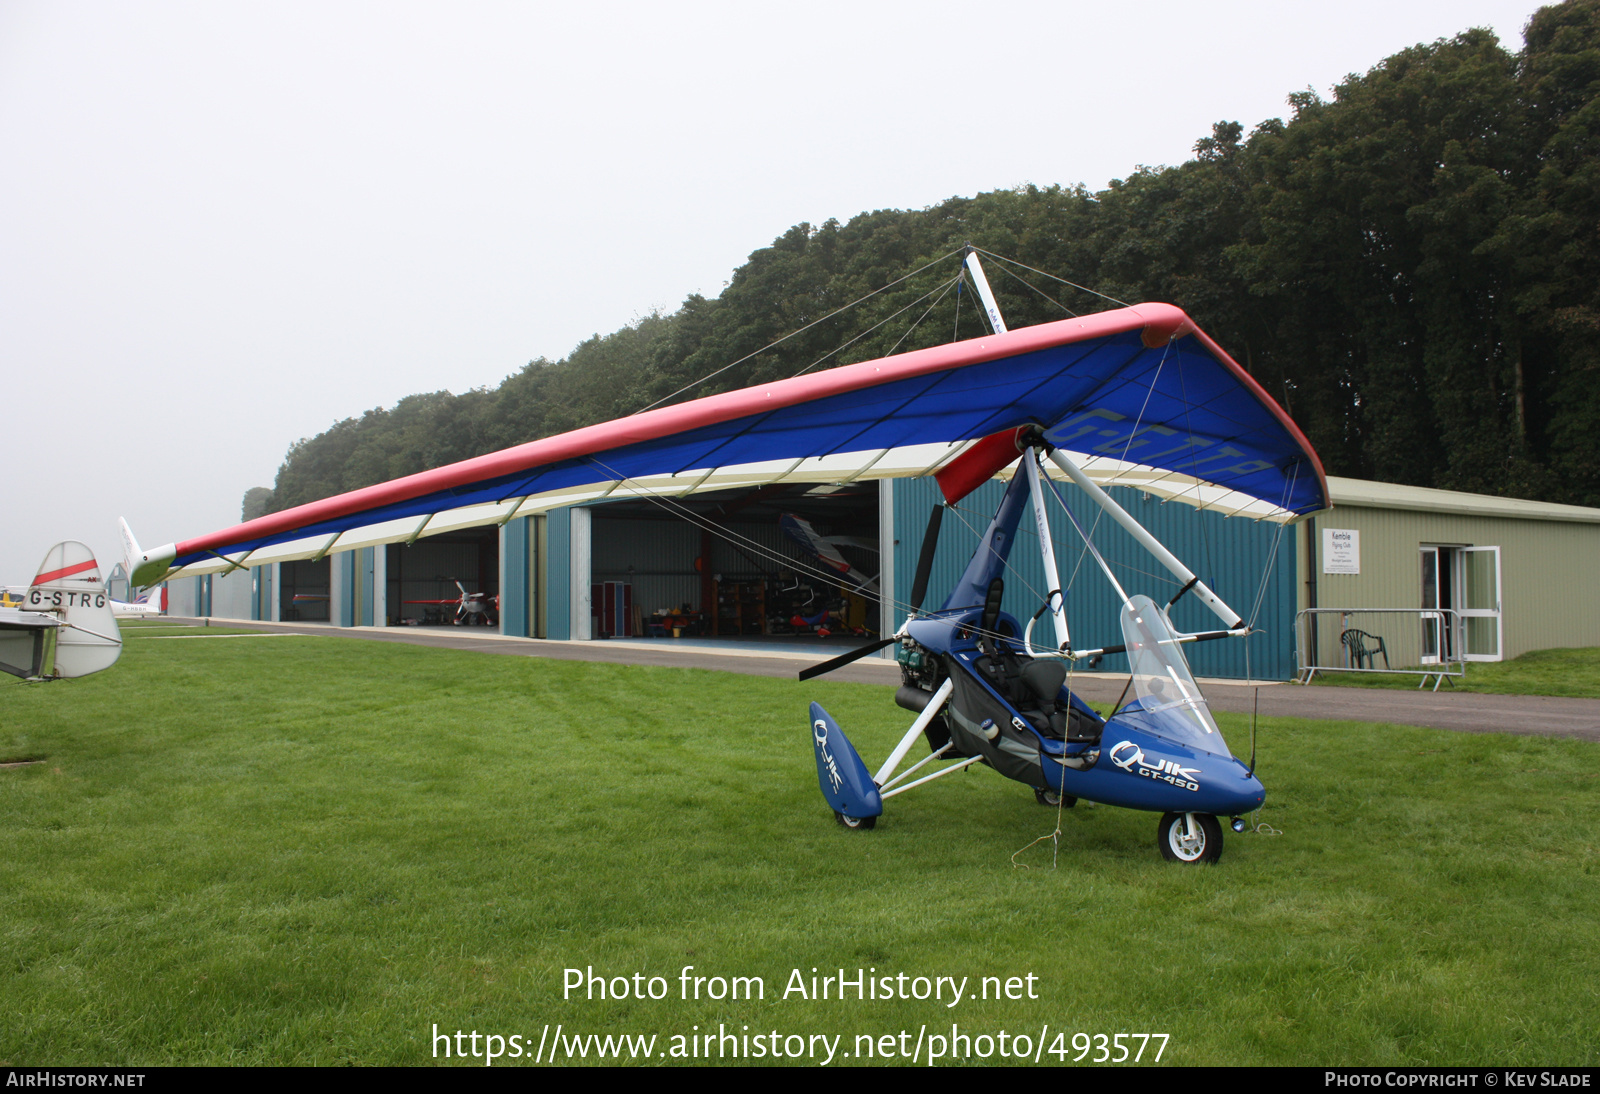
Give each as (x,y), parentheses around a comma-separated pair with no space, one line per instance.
(68,586)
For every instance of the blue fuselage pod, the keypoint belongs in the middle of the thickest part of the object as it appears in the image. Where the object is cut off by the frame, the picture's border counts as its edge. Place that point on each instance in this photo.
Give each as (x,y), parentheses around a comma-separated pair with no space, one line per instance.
(845,780)
(1134,764)
(1137,769)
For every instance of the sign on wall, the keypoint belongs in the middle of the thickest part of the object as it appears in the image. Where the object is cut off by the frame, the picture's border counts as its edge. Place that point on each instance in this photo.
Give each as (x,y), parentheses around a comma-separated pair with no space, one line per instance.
(1341,551)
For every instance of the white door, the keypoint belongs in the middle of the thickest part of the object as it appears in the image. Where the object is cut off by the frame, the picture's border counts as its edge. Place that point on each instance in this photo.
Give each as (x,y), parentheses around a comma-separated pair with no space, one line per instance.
(1480,603)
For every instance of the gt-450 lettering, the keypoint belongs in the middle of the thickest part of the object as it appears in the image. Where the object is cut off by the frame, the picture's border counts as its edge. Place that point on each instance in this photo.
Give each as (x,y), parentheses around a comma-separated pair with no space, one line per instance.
(1130,757)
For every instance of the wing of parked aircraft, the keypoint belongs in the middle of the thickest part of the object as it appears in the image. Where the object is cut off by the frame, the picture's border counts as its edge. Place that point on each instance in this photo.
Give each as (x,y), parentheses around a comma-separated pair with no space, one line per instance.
(1140,396)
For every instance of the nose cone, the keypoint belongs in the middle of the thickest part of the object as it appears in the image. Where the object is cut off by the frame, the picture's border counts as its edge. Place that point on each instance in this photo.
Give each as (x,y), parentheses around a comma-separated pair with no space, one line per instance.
(1246,792)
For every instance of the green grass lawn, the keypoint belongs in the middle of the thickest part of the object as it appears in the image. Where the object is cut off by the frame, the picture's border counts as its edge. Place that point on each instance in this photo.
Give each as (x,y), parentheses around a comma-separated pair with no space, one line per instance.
(1573,673)
(314,850)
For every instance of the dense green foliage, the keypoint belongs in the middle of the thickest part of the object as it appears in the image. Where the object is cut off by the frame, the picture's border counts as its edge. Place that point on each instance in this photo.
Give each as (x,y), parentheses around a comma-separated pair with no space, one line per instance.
(297,850)
(256,500)
(1411,267)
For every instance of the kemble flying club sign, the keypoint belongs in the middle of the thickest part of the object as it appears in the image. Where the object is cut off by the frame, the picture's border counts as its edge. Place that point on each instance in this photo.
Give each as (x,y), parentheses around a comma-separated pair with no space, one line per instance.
(1341,551)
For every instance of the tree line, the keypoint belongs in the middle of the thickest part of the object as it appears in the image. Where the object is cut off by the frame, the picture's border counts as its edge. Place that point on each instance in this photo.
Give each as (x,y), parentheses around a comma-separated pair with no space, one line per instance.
(1411,267)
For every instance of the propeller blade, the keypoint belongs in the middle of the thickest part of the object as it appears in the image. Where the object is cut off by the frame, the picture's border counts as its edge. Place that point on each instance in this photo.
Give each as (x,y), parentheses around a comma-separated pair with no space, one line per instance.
(844,659)
(930,543)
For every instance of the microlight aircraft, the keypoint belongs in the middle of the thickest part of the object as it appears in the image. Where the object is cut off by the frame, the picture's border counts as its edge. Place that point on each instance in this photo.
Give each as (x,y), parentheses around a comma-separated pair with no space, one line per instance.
(470,607)
(825,549)
(1135,396)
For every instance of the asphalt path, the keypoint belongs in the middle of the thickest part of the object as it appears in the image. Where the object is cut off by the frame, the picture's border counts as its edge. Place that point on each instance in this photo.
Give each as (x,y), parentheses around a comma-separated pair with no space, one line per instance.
(1531,715)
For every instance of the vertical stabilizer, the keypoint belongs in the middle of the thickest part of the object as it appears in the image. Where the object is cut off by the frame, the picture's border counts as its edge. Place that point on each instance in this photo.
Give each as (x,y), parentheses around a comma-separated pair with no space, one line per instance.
(145,568)
(68,586)
(131,555)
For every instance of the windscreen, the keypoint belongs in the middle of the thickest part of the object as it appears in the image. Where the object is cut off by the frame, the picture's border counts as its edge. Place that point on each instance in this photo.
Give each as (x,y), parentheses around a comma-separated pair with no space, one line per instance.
(1162,683)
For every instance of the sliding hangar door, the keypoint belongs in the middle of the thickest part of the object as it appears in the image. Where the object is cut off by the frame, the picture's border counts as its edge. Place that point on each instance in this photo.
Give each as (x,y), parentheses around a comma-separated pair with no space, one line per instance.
(796,562)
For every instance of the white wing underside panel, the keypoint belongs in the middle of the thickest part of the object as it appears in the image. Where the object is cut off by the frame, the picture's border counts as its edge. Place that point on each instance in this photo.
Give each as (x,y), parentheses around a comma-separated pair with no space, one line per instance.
(911,461)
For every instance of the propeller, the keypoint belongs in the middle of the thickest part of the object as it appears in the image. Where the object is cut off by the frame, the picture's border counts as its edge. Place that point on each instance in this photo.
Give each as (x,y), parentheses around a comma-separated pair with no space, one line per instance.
(930,544)
(919,589)
(844,659)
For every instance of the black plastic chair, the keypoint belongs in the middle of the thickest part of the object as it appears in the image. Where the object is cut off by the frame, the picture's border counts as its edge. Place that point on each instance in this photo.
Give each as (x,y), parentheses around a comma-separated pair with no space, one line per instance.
(1364,648)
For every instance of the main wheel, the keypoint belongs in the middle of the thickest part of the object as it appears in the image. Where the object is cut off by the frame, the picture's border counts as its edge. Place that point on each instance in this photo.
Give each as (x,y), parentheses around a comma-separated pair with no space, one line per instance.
(1177,845)
(856,822)
(1053,799)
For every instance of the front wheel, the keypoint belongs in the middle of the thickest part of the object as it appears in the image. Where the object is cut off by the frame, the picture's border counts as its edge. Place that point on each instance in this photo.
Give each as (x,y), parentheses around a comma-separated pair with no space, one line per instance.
(856,822)
(1182,842)
(1053,799)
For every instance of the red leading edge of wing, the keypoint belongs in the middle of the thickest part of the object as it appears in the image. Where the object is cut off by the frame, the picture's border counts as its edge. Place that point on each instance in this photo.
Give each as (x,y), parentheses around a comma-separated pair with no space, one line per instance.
(1161,322)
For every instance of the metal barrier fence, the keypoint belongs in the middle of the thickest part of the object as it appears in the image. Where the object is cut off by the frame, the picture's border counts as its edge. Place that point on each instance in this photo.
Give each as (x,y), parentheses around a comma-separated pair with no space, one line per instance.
(1418,642)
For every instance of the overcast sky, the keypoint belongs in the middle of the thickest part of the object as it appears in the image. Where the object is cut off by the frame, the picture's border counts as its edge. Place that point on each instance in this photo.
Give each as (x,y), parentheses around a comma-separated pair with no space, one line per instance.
(225,226)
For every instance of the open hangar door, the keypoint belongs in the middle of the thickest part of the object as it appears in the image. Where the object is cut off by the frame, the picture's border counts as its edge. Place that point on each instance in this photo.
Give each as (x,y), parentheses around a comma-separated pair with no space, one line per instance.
(761,565)
(451,579)
(304,588)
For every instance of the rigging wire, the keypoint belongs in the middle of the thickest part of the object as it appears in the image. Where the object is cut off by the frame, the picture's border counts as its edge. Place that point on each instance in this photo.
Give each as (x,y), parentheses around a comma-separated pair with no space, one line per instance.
(799,330)
(1188,425)
(1025,283)
(945,287)
(1277,540)
(1132,433)
(1053,277)
(961,287)
(1085,537)
(1266,576)
(943,293)
(1088,543)
(1005,563)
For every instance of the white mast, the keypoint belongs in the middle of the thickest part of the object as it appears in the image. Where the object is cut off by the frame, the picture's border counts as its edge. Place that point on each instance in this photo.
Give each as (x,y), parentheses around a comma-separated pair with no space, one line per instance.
(1047,550)
(985,294)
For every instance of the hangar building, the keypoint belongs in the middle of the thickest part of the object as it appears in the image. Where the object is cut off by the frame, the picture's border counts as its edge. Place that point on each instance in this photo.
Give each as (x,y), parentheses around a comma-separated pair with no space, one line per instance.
(1437,575)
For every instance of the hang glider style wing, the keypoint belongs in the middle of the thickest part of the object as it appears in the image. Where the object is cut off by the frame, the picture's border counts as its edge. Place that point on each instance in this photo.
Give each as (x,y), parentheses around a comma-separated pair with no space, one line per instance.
(1140,396)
